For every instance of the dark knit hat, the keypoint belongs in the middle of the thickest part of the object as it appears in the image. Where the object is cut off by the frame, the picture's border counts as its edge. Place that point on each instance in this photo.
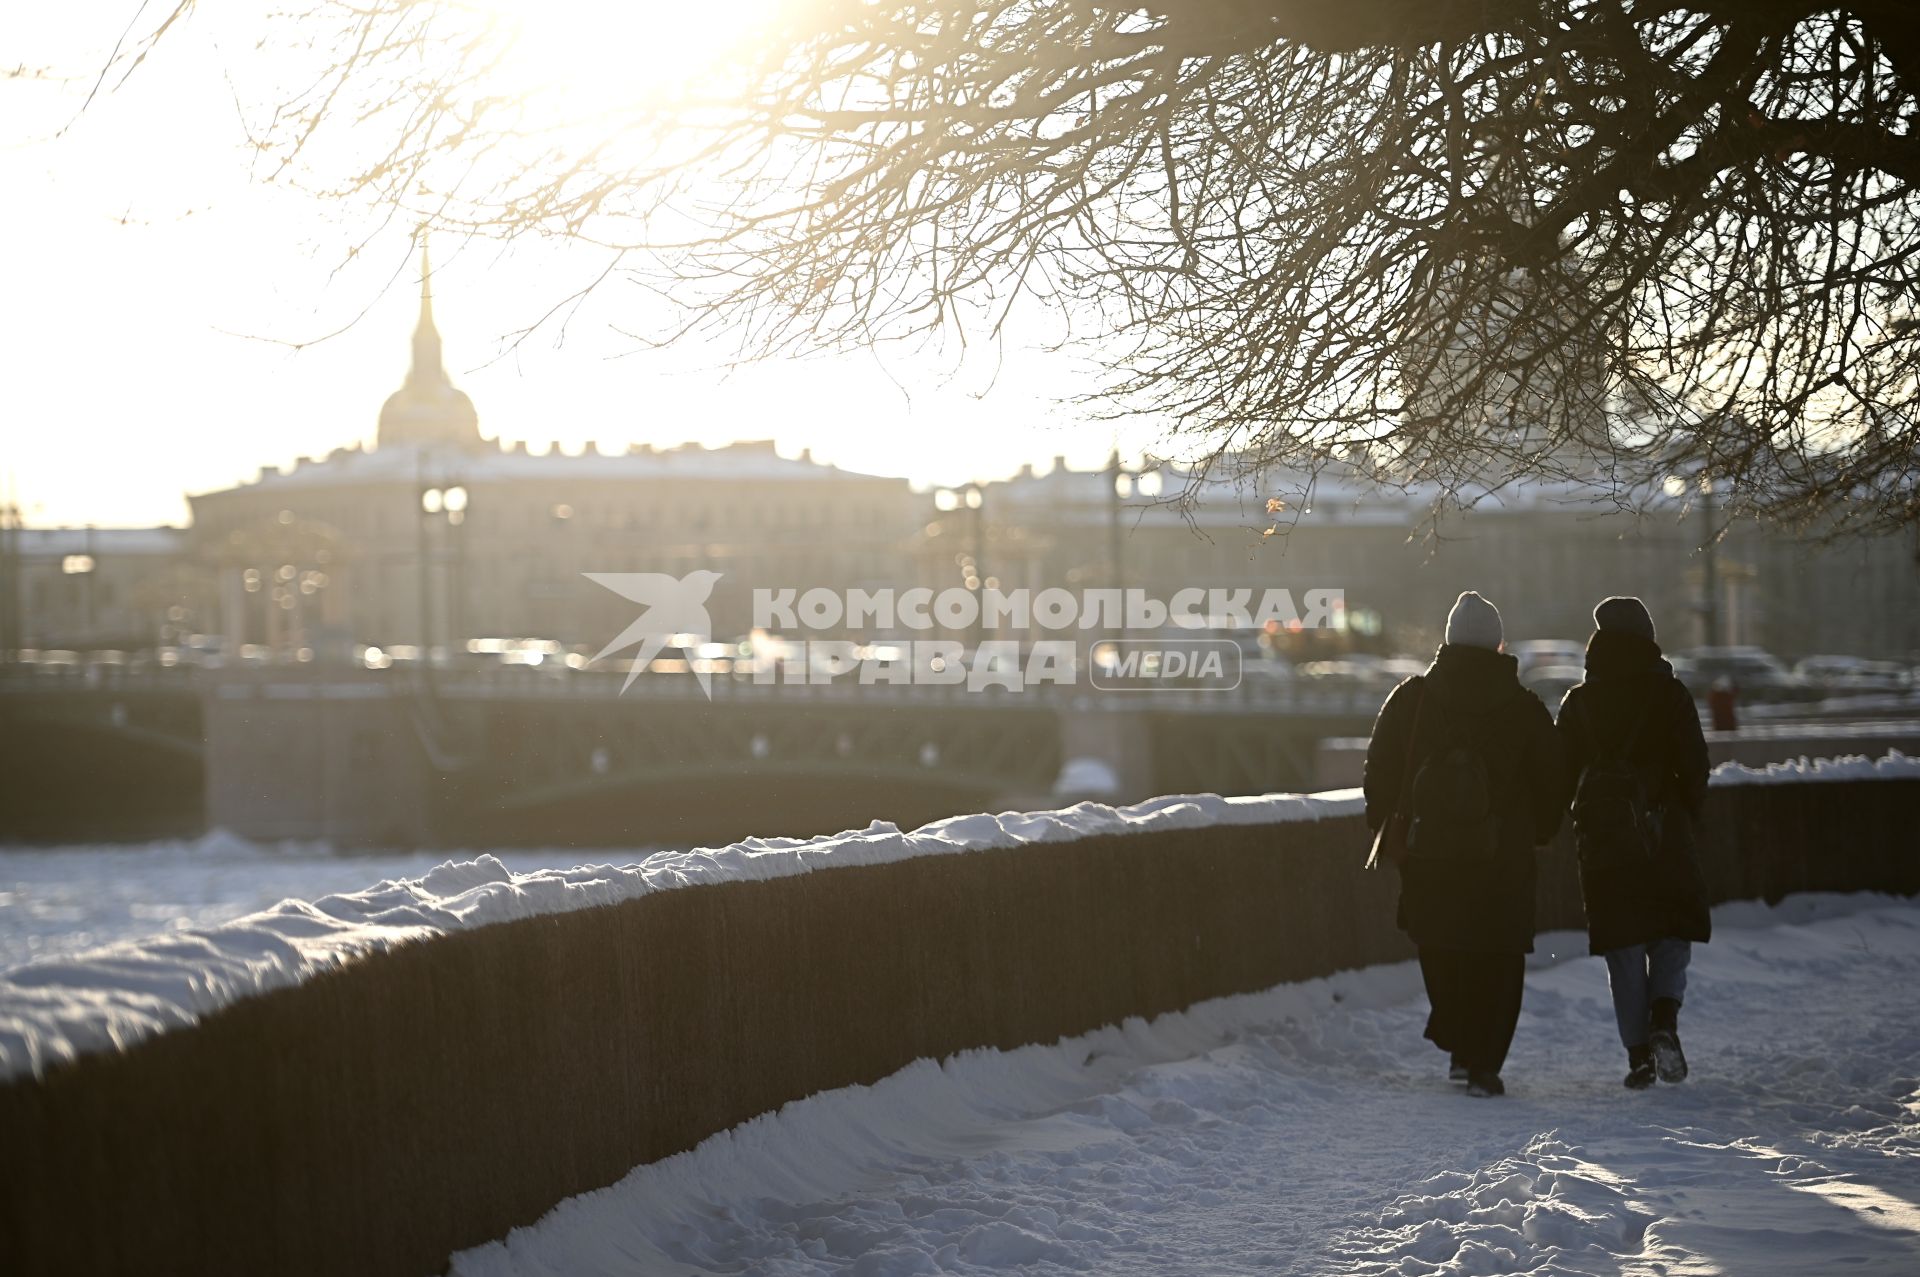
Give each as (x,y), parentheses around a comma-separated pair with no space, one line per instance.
(1474,622)
(1627,615)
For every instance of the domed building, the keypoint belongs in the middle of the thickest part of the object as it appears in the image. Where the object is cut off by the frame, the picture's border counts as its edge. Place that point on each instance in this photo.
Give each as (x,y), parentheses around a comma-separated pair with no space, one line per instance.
(436,535)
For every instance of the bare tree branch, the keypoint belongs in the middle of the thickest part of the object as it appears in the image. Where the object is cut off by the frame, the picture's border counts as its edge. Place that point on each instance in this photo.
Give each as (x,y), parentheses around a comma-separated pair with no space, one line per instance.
(1454,242)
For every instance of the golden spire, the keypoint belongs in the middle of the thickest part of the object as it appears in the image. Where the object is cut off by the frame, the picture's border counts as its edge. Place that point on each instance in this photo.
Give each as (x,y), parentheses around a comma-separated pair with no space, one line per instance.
(427,365)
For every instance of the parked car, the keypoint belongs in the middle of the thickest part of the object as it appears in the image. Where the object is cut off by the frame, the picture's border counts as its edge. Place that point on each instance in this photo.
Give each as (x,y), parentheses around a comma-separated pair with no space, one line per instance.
(56,662)
(1397,669)
(1550,682)
(1758,674)
(1343,674)
(1270,668)
(1848,675)
(1542,653)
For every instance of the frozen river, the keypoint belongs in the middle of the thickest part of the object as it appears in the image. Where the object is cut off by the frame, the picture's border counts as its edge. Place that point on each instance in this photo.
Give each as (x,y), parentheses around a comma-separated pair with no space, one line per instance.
(58,901)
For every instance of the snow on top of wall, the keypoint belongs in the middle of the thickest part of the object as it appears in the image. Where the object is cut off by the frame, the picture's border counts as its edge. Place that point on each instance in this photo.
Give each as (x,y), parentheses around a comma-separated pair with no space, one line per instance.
(111,998)
(1894,766)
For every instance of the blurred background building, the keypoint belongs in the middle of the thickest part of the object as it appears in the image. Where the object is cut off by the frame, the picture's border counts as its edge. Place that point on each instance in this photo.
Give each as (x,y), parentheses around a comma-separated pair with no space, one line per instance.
(437,536)
(1545,554)
(93,588)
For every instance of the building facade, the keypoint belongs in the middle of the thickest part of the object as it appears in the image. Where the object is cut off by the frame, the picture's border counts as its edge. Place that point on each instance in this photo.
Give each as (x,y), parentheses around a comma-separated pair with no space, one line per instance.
(1545,553)
(438,535)
(93,588)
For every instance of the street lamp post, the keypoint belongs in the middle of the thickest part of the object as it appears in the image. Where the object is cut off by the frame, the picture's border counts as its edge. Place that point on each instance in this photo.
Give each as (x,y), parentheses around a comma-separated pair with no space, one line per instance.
(972,498)
(1123,482)
(448,505)
(1710,565)
(423,593)
(11,589)
(86,586)
(1678,485)
(454,503)
(1116,476)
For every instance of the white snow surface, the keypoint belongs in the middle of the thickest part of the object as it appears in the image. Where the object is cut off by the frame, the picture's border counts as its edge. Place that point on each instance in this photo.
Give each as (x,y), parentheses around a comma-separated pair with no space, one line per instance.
(1309,1130)
(57,1009)
(62,901)
(1894,765)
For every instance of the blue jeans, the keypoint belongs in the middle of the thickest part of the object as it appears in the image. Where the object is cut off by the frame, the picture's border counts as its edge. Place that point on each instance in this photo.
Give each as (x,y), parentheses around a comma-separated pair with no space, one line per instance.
(1640,975)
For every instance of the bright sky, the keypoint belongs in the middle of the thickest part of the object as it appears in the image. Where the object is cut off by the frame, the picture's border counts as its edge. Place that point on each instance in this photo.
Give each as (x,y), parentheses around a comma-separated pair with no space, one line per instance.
(149,290)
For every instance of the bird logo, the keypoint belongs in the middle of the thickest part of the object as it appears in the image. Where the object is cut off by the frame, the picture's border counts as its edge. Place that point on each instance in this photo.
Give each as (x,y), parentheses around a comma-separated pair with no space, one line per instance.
(673,606)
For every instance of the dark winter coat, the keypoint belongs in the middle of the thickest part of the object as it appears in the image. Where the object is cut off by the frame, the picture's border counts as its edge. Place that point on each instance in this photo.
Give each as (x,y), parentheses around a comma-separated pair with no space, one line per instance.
(1471,695)
(1631,690)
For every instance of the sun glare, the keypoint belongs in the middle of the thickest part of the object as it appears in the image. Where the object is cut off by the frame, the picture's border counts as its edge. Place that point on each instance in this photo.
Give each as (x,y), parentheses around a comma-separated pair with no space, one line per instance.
(588,59)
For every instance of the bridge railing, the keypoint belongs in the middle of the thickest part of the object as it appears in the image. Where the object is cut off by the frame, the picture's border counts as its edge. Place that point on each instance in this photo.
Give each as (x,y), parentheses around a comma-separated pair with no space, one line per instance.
(1254,695)
(102,676)
(1263,695)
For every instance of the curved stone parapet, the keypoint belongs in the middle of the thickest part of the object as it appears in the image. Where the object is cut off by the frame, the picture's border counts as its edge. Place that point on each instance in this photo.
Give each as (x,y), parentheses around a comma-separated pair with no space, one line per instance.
(374,1112)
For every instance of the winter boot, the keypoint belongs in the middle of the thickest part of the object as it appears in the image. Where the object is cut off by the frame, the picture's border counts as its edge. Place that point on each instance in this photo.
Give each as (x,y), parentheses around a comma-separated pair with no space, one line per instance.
(1640,1068)
(1456,1068)
(1668,1059)
(1483,1084)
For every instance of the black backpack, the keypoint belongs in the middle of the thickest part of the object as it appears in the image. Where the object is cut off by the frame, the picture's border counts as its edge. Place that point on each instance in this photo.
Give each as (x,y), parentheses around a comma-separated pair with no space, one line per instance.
(1452,804)
(1615,821)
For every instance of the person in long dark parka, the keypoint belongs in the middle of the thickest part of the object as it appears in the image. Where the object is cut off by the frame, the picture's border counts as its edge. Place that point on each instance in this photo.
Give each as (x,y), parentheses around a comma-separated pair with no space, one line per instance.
(1646,906)
(1465,747)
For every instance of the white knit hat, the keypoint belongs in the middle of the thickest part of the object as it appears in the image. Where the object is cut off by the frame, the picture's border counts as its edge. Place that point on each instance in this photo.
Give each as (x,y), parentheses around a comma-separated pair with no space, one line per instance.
(1474,622)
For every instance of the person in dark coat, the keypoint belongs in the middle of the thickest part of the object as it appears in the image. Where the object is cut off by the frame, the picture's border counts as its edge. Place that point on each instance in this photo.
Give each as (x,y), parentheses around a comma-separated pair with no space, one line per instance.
(1644,913)
(1469,909)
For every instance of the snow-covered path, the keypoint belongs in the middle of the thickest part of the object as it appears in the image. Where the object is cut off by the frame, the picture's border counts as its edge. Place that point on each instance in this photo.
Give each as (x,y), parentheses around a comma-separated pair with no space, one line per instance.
(1309,1130)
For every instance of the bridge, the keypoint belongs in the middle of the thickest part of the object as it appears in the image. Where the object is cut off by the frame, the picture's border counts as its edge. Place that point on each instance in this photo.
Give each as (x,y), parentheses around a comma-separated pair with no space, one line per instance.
(97,752)
(508,756)
(506,760)
(504,756)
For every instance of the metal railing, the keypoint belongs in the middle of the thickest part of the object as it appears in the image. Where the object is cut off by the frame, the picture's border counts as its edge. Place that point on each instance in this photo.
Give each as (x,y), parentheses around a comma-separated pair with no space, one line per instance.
(1255,695)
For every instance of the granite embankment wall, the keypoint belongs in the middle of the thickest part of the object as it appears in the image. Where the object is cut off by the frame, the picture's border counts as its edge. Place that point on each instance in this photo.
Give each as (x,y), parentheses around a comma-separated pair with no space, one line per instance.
(379,1116)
